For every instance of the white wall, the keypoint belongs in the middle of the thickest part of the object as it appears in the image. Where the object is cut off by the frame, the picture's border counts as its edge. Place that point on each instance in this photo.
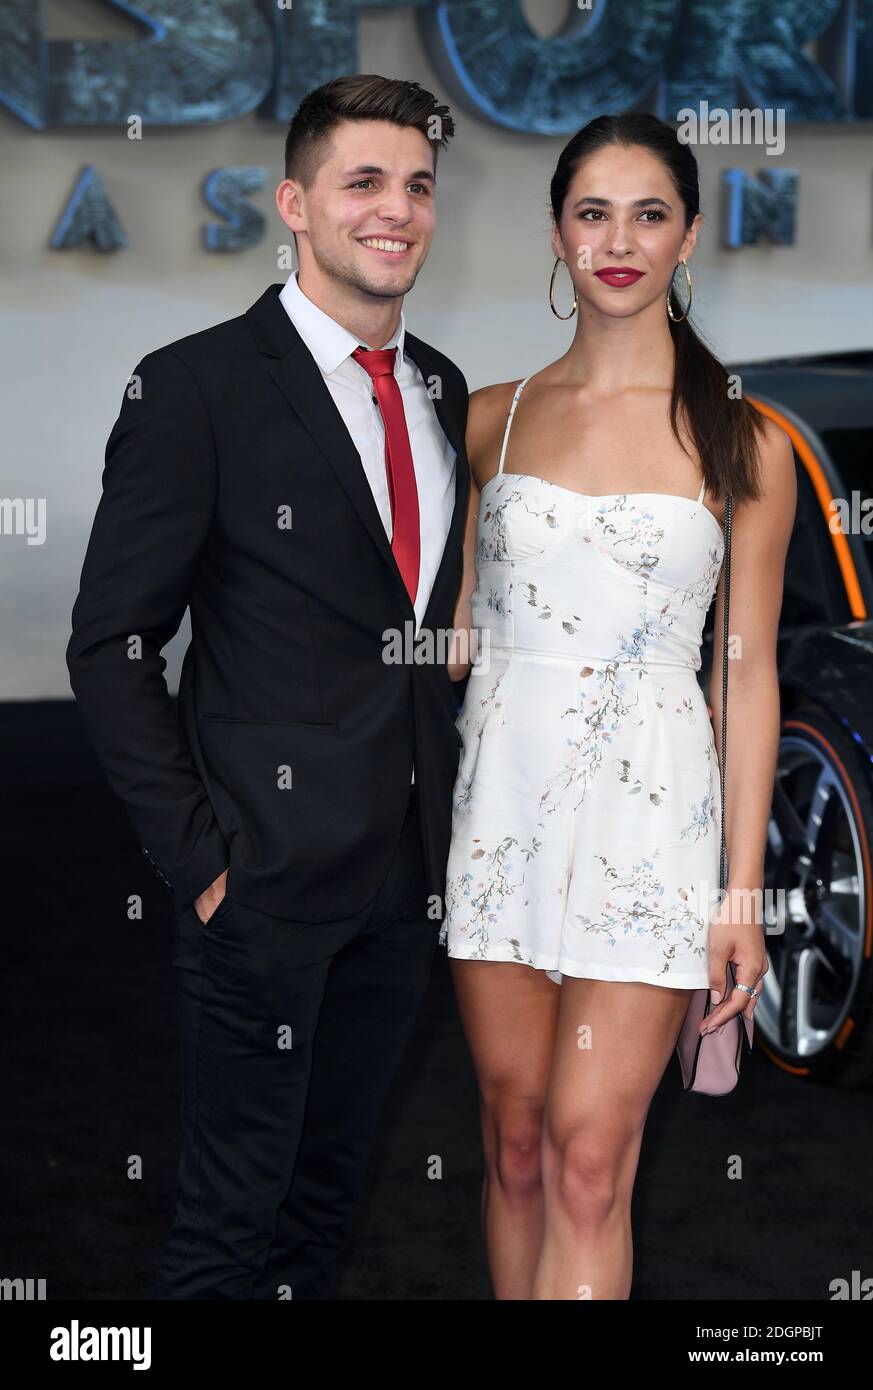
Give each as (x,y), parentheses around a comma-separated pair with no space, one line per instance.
(76,323)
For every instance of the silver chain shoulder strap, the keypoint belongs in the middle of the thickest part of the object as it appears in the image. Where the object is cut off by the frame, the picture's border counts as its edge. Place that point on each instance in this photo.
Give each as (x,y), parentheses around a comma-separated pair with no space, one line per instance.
(726,570)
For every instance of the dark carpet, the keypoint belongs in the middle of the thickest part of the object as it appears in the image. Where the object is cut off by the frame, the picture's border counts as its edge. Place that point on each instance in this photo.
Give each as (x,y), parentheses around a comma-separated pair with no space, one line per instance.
(91,1102)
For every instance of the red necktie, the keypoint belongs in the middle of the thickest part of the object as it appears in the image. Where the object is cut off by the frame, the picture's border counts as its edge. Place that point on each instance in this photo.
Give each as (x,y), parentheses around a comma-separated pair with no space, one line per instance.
(402,489)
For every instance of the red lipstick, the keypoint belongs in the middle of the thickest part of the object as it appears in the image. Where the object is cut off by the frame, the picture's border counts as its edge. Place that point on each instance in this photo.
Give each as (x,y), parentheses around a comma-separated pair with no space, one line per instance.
(619,278)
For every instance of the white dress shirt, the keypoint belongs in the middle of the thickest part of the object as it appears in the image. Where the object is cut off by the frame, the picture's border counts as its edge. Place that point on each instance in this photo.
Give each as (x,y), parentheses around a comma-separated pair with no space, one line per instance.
(433,457)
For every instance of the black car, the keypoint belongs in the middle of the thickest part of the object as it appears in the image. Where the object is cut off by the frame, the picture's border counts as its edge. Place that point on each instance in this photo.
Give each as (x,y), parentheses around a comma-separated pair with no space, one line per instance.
(815,1015)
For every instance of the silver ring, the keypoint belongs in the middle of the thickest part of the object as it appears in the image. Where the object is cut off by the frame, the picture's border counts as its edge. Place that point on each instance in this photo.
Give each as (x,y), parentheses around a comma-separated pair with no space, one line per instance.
(752,993)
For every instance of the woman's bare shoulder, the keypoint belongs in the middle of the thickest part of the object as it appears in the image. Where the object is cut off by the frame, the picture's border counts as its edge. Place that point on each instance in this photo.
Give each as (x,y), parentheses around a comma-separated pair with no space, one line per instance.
(492,400)
(486,421)
(777,470)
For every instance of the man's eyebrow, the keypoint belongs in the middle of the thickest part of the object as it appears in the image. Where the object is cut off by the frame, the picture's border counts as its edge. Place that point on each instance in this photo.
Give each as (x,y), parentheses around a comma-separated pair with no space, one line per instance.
(419,175)
(607,202)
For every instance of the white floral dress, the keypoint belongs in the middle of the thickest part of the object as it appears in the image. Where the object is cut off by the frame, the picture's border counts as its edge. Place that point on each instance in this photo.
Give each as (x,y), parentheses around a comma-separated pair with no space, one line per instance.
(587,811)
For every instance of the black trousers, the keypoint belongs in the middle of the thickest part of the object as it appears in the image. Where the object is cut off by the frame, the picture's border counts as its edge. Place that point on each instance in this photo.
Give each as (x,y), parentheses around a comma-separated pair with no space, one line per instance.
(290,1035)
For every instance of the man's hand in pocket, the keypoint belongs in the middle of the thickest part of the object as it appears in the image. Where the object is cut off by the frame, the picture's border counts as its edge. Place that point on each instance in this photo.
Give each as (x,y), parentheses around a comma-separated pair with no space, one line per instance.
(208,901)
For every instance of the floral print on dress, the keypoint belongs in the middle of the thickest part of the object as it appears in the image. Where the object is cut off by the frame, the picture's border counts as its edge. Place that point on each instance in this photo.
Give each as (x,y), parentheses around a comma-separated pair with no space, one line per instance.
(484,899)
(632,533)
(587,797)
(638,903)
(601,712)
(570,623)
(702,590)
(492,538)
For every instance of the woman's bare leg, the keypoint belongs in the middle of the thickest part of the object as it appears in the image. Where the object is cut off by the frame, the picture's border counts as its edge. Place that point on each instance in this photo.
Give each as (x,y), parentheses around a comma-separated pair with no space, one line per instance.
(509,1012)
(613,1043)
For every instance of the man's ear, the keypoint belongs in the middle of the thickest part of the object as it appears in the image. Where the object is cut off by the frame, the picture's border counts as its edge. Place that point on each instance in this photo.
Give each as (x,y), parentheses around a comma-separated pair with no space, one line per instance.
(289,204)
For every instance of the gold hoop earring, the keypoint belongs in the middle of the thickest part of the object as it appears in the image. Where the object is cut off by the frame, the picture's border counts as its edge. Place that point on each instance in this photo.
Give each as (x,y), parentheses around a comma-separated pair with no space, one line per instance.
(552,292)
(684,265)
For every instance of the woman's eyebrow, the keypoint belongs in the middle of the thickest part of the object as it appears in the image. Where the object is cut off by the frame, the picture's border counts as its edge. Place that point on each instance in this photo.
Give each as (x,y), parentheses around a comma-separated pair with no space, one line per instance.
(607,202)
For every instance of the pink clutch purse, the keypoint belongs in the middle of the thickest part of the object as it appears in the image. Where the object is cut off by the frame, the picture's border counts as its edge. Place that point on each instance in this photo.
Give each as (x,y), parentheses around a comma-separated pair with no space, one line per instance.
(711,1064)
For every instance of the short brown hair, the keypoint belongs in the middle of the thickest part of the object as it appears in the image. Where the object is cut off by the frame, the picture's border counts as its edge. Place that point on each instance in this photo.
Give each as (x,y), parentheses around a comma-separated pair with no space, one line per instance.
(360,97)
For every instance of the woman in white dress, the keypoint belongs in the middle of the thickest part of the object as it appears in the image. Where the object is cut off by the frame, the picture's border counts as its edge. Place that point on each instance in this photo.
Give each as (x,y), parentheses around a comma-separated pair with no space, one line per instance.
(586,817)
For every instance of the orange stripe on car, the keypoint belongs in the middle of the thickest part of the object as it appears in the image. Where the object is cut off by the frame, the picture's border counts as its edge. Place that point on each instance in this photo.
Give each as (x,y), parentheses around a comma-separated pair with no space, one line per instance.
(825,496)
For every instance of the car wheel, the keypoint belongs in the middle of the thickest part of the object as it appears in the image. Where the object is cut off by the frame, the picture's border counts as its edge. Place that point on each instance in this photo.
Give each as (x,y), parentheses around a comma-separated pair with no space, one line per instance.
(815,1014)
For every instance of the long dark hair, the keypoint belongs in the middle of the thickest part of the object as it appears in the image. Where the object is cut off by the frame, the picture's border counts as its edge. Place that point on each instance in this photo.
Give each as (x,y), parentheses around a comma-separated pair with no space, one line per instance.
(723,428)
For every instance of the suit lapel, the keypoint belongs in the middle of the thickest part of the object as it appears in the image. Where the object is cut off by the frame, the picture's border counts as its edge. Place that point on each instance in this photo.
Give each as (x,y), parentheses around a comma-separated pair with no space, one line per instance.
(423,359)
(301,383)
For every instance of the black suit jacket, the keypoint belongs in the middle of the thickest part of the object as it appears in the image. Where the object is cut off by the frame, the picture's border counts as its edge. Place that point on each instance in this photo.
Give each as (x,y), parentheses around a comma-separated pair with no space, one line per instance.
(232,485)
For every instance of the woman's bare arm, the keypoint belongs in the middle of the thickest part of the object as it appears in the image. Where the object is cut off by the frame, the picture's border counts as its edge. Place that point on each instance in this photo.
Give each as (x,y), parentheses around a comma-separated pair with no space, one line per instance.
(760,534)
(461,650)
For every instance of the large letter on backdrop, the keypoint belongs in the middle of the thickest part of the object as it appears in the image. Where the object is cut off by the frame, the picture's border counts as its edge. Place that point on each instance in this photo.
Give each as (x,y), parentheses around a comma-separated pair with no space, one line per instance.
(860,59)
(225,191)
(722,46)
(200,61)
(605,60)
(316,40)
(89,216)
(758,206)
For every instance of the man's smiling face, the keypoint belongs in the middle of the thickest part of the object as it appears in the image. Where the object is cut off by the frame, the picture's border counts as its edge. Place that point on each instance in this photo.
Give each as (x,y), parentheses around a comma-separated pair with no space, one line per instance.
(367,220)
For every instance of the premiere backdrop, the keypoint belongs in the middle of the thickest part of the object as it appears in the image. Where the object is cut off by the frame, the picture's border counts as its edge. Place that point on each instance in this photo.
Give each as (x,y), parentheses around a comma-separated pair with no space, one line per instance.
(76,320)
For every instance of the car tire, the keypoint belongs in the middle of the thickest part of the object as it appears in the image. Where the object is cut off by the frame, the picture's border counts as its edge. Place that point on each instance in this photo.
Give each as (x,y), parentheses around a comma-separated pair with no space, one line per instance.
(815,1015)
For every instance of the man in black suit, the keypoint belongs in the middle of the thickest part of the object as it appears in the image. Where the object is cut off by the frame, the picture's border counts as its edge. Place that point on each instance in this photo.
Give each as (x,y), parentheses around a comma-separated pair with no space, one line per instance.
(297,476)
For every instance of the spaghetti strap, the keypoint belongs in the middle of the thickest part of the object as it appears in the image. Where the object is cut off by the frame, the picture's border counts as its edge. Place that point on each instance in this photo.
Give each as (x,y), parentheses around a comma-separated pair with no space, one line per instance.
(702,491)
(518,390)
